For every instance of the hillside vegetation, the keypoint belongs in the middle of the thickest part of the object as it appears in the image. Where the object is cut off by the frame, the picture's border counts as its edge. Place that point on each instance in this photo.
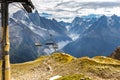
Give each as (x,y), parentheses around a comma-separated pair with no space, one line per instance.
(68,67)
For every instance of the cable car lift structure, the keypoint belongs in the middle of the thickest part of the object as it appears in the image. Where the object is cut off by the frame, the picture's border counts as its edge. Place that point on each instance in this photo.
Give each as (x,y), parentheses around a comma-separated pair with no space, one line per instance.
(5,43)
(49,41)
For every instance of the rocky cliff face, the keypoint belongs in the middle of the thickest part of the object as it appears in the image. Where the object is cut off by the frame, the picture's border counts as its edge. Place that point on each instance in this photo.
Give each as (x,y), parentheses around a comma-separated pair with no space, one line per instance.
(116,54)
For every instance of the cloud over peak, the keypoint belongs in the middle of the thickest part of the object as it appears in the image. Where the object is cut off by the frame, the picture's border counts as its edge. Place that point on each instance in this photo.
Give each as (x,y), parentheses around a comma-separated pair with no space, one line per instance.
(68,9)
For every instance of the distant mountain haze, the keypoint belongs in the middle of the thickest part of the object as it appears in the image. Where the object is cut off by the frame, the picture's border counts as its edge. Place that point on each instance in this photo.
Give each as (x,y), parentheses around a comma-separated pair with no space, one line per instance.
(84,36)
(101,38)
(27,29)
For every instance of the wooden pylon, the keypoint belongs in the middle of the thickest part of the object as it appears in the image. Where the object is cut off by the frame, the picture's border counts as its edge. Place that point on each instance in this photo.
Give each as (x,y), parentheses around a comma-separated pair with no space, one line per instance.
(27,4)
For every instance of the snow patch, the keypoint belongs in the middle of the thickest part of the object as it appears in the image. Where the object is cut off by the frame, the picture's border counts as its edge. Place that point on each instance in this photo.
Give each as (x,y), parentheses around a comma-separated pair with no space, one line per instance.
(55,77)
(31,26)
(53,32)
(48,51)
(74,36)
(62,44)
(88,26)
(68,28)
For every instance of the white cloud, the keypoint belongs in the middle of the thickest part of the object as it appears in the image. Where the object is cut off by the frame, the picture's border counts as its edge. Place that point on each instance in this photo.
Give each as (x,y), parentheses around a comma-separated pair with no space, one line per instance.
(67,9)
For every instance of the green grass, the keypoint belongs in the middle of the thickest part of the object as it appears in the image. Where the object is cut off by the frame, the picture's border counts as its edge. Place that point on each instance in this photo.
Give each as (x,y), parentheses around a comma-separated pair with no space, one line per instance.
(91,67)
(62,58)
(106,60)
(23,68)
(69,67)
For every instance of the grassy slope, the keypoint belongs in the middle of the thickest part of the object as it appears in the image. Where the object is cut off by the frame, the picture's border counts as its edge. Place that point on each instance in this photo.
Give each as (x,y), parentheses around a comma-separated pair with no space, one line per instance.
(92,68)
(97,68)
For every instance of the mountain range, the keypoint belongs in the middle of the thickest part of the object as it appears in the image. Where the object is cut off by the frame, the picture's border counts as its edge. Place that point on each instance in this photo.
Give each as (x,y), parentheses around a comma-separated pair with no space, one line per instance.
(101,38)
(28,29)
(84,36)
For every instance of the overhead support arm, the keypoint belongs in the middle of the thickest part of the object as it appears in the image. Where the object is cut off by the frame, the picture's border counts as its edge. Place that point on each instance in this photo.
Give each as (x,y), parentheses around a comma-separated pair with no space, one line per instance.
(29,7)
(27,4)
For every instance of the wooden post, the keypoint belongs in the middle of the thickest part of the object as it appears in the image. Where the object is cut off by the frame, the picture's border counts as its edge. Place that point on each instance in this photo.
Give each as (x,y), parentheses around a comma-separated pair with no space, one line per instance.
(27,4)
(6,41)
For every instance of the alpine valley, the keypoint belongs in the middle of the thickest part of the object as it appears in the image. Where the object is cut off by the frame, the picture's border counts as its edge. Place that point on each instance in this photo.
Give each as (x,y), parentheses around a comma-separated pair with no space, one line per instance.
(84,36)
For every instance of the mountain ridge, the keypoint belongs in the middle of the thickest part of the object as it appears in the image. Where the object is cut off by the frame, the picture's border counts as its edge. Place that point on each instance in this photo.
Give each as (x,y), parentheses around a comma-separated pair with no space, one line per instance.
(101,38)
(79,34)
(61,64)
(25,31)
